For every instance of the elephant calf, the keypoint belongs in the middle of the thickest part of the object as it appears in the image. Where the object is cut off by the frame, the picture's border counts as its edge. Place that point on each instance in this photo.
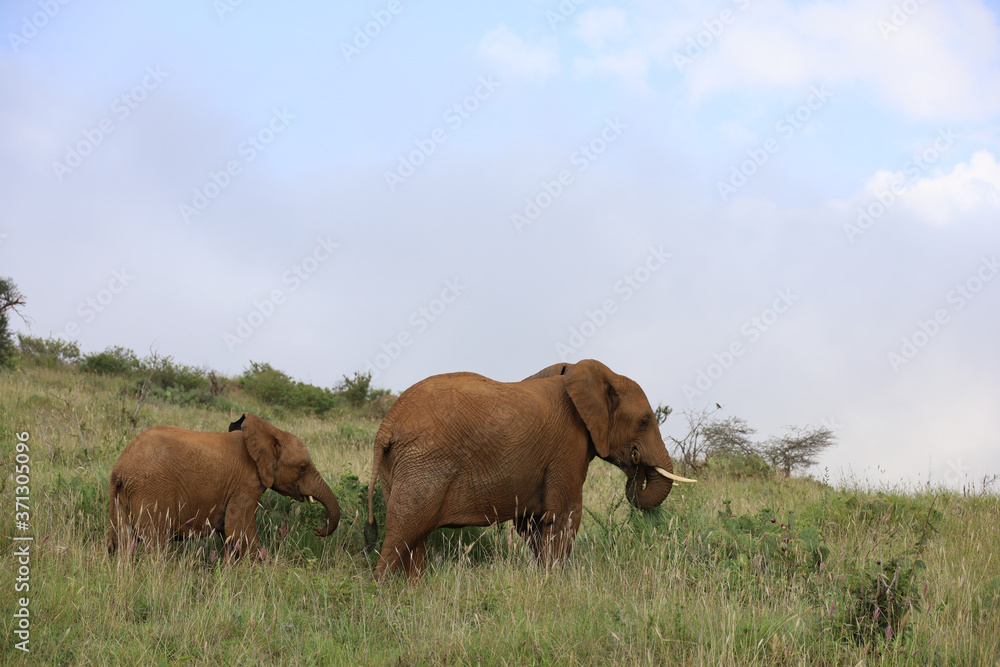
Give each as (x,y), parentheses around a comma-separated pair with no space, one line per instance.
(171,483)
(463,450)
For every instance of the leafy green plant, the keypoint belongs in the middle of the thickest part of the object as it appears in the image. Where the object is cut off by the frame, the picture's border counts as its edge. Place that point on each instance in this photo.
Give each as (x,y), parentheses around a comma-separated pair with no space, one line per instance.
(352,494)
(47,352)
(780,546)
(273,386)
(355,389)
(115,360)
(886,593)
(739,465)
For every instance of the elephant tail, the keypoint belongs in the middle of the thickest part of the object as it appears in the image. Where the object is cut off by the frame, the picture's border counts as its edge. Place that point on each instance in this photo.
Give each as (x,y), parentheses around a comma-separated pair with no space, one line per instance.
(381,445)
(115,513)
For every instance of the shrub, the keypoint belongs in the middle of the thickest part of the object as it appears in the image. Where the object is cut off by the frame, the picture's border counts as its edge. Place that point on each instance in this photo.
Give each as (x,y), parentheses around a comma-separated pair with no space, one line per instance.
(270,385)
(358,390)
(166,374)
(47,352)
(174,382)
(778,546)
(884,594)
(115,360)
(739,465)
(355,389)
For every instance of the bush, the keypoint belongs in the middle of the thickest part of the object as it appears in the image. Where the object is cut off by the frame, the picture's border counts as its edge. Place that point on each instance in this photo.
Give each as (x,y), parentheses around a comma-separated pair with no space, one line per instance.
(738,465)
(47,352)
(270,385)
(115,360)
(782,547)
(358,390)
(885,594)
(166,374)
(355,389)
(174,382)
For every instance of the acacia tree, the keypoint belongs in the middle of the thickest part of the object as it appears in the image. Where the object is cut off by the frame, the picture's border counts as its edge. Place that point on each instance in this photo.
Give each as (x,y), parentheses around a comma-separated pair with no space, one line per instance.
(693,445)
(729,436)
(662,412)
(11,301)
(800,447)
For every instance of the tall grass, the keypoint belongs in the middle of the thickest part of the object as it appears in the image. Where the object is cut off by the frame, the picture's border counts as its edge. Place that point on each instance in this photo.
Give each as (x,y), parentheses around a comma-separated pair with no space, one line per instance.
(702,580)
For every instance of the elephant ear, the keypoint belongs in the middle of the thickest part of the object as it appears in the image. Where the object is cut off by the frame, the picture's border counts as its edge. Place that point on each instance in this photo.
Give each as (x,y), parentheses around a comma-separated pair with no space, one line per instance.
(263,445)
(237,425)
(588,384)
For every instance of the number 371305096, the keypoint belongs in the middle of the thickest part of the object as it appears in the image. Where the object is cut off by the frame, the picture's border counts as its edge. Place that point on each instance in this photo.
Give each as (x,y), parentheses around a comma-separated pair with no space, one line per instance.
(22,477)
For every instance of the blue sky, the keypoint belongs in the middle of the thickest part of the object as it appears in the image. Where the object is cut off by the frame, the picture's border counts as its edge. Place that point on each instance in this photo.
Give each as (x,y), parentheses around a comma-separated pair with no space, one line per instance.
(782,154)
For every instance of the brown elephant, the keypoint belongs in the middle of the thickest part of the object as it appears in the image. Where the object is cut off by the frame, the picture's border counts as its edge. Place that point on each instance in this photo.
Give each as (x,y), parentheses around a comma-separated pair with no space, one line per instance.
(463,450)
(170,483)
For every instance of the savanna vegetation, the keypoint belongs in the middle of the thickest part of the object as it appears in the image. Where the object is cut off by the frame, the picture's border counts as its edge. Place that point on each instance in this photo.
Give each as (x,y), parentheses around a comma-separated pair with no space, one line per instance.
(749,566)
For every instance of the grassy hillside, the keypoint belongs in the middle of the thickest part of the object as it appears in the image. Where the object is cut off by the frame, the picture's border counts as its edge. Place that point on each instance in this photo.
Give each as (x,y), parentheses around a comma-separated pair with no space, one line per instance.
(732,571)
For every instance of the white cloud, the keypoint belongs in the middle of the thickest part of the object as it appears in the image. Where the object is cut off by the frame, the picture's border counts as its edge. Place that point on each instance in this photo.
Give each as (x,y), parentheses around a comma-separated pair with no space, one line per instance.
(941,62)
(971,189)
(515,58)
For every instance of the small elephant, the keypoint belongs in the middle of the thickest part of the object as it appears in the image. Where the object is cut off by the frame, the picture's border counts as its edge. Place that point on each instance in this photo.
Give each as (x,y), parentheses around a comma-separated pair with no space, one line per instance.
(170,483)
(463,450)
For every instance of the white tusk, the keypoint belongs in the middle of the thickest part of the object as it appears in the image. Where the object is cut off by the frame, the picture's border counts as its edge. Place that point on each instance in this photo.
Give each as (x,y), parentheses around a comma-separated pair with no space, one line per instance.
(310,499)
(676,478)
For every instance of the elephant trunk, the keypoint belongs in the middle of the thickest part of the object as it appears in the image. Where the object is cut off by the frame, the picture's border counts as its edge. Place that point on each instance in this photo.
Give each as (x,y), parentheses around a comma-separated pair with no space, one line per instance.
(648,488)
(322,492)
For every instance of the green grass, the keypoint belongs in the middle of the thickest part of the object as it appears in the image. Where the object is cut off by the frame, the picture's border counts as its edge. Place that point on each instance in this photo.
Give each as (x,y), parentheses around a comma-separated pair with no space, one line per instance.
(700,581)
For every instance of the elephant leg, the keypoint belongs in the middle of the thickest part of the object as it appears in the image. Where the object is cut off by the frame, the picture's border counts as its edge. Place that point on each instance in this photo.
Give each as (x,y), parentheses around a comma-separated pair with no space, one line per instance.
(530,530)
(409,519)
(120,532)
(556,534)
(240,531)
(414,564)
(400,555)
(151,525)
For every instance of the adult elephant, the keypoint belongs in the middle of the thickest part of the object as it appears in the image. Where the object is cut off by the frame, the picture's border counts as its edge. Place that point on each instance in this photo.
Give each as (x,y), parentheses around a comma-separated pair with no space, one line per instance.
(170,483)
(463,450)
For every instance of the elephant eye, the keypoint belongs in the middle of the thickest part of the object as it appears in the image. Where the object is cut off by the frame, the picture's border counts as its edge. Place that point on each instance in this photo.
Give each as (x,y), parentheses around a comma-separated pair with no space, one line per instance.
(643,423)
(302,468)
